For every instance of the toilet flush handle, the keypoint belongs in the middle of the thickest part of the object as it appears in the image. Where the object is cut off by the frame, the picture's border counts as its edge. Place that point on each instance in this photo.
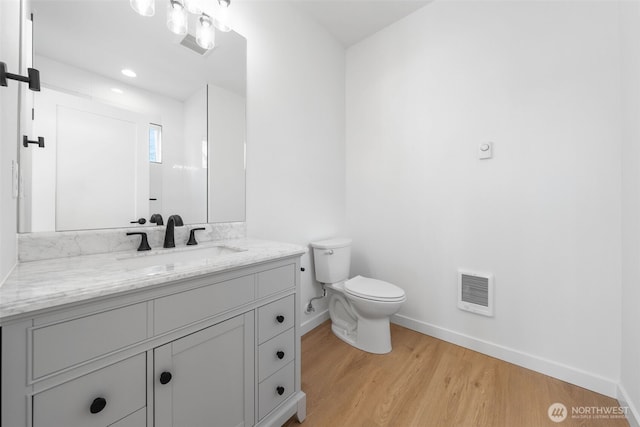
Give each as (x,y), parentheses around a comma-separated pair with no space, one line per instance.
(329,252)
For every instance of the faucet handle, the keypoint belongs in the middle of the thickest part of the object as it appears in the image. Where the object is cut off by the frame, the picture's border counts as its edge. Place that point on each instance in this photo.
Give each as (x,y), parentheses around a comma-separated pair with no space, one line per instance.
(156,219)
(192,236)
(144,243)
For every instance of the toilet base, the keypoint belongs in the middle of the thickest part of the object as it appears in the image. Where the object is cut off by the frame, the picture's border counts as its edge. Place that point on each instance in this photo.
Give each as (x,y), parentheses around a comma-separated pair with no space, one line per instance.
(371,335)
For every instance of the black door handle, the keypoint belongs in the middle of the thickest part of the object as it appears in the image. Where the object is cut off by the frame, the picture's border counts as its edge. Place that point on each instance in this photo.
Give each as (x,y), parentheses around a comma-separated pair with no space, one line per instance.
(26,141)
(280,318)
(280,354)
(33,77)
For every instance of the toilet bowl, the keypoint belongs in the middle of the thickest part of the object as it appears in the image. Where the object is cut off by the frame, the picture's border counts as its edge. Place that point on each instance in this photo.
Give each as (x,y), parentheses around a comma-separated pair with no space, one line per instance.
(363,320)
(359,307)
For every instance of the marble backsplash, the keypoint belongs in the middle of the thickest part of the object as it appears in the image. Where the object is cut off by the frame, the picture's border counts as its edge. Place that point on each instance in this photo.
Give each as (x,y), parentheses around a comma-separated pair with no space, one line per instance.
(39,246)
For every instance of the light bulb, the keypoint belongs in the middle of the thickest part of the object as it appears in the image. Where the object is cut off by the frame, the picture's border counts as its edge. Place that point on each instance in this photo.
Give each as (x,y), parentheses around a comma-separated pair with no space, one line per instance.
(176,17)
(193,6)
(223,16)
(144,7)
(205,32)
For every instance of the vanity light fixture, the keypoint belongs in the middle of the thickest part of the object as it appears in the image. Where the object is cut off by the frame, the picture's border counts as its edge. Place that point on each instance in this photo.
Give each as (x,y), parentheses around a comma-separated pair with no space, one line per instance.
(144,7)
(222,16)
(129,73)
(193,6)
(205,33)
(210,14)
(177,17)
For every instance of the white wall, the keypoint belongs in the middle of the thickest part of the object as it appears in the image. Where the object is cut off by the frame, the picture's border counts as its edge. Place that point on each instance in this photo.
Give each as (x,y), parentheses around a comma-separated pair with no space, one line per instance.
(540,80)
(630,86)
(295,128)
(9,53)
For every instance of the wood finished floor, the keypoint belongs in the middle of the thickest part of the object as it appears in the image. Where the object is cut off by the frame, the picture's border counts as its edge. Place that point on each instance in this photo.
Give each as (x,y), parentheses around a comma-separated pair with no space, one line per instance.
(427,382)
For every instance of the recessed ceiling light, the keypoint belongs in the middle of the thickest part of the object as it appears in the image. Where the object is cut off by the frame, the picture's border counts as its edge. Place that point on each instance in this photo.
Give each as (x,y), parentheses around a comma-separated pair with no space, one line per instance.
(116,90)
(129,73)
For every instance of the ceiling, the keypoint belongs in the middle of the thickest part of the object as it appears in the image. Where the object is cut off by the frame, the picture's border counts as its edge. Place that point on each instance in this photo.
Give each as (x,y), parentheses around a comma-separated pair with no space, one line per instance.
(105,36)
(351,21)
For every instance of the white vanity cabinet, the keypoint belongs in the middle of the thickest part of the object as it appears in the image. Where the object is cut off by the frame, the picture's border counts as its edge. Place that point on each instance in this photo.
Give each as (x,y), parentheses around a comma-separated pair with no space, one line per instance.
(220,349)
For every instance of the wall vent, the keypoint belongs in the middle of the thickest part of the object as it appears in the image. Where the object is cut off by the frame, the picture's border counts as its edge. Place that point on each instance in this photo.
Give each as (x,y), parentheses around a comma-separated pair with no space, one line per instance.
(475,292)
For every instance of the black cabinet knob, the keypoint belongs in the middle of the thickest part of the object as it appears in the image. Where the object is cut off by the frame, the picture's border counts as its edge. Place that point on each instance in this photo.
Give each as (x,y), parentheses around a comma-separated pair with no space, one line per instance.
(98,405)
(280,390)
(280,354)
(165,377)
(280,318)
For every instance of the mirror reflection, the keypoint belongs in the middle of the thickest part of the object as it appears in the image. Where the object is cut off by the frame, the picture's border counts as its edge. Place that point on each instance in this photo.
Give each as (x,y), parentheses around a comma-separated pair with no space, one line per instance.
(137,121)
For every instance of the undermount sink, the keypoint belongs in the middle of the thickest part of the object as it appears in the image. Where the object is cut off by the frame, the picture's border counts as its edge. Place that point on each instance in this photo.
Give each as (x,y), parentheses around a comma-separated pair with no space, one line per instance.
(178,255)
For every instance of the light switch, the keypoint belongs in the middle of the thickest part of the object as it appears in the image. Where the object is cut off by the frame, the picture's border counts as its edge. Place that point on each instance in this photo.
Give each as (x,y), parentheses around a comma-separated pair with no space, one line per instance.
(485,150)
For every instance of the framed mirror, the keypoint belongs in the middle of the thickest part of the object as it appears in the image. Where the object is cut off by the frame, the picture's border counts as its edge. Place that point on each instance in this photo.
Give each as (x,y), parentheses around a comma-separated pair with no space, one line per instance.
(136,121)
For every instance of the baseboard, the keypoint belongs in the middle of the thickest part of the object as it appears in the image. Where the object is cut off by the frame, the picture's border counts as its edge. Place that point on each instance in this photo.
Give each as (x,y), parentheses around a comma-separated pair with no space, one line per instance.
(314,322)
(535,363)
(633,416)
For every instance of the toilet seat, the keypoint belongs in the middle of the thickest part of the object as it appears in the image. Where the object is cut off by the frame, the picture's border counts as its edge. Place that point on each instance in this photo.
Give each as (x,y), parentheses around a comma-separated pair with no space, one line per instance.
(372,289)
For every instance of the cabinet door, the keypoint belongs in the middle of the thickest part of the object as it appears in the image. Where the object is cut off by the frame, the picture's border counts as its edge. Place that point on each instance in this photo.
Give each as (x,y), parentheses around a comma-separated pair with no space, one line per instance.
(207,378)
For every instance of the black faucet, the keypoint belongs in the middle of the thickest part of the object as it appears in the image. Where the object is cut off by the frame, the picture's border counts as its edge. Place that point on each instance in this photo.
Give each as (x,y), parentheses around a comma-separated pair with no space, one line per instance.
(172,221)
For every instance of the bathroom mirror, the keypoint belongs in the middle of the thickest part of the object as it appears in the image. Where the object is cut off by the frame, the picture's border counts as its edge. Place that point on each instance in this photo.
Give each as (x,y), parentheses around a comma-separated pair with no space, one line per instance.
(170,140)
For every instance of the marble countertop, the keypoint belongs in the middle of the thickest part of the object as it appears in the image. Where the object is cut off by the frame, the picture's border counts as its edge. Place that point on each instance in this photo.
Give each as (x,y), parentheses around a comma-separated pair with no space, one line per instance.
(39,285)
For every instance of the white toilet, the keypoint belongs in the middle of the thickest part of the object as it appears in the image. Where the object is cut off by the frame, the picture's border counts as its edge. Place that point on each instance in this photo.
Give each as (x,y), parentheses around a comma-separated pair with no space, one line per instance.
(359,307)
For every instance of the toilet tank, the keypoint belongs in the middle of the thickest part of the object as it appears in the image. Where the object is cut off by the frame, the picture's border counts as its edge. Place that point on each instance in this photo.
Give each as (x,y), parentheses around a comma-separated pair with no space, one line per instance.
(332,258)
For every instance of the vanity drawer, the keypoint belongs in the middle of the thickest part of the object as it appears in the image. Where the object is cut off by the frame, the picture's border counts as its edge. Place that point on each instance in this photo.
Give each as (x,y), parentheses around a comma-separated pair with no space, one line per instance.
(276,280)
(61,345)
(181,309)
(121,385)
(269,390)
(275,354)
(275,318)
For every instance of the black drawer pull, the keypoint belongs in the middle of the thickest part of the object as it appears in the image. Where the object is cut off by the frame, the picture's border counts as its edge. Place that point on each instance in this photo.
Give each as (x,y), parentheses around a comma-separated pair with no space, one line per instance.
(280,354)
(165,377)
(280,390)
(280,318)
(98,405)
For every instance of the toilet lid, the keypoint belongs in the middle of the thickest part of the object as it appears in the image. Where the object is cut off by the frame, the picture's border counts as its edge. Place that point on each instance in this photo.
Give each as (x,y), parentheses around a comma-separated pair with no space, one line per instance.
(364,287)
